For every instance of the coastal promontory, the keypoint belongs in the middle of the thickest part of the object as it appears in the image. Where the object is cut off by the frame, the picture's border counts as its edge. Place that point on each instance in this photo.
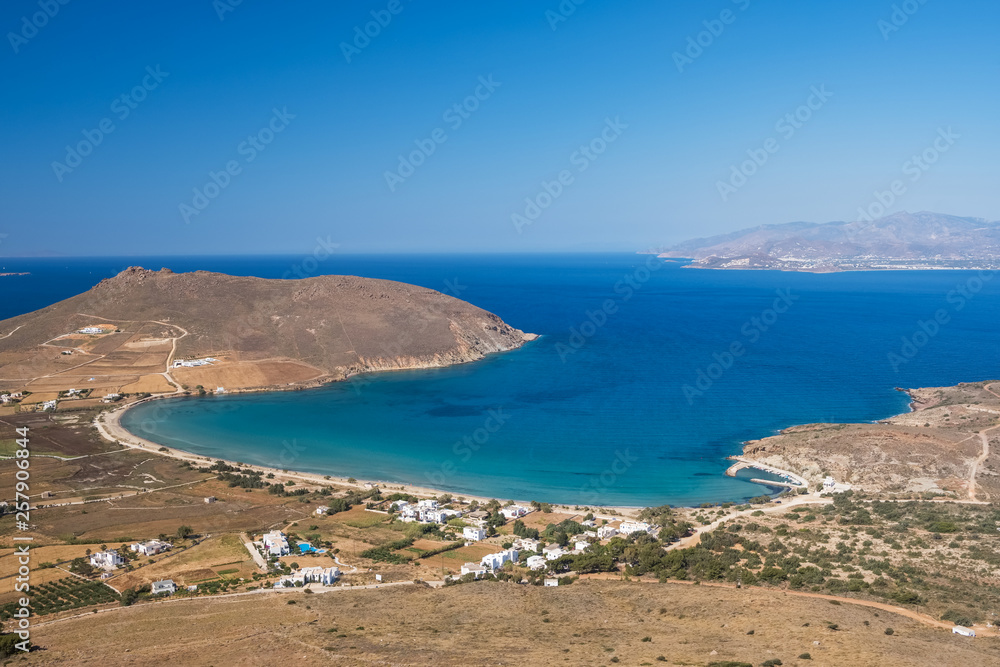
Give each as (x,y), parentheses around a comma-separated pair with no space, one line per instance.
(146,331)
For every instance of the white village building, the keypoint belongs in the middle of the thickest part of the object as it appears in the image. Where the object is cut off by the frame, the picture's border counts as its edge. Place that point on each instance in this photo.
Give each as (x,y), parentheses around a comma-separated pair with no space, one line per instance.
(606,532)
(497,560)
(474,569)
(275,543)
(629,527)
(473,534)
(830,485)
(192,363)
(536,562)
(150,548)
(553,551)
(167,586)
(514,511)
(107,560)
(527,544)
(310,575)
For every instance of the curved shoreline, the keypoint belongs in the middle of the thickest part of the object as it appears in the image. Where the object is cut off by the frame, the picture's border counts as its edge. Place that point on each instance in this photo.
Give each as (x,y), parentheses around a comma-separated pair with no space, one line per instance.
(108,425)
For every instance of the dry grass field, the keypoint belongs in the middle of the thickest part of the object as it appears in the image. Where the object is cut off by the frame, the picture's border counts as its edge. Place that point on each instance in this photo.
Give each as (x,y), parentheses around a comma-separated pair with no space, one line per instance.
(113,360)
(65,435)
(246,374)
(150,384)
(588,623)
(205,560)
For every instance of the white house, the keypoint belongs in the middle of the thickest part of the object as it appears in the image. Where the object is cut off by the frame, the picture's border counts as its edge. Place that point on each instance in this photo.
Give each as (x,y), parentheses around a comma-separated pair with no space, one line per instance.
(553,551)
(606,532)
(629,527)
(425,511)
(107,560)
(276,544)
(496,561)
(192,363)
(310,575)
(474,569)
(536,562)
(552,582)
(592,534)
(90,330)
(581,545)
(150,548)
(474,534)
(964,631)
(209,499)
(514,511)
(73,392)
(320,575)
(322,510)
(437,515)
(111,398)
(830,485)
(527,544)
(49,405)
(166,586)
(589,523)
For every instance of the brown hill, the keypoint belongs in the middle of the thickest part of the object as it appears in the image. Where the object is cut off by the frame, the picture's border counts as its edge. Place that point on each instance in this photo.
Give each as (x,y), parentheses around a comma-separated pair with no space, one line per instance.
(947,444)
(261,332)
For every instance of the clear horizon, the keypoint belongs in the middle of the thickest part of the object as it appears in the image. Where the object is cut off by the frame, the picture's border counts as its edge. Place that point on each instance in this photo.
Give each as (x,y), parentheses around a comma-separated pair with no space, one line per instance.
(398,127)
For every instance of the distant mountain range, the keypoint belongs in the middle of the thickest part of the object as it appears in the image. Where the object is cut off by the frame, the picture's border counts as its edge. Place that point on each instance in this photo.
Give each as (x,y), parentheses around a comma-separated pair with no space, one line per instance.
(900,241)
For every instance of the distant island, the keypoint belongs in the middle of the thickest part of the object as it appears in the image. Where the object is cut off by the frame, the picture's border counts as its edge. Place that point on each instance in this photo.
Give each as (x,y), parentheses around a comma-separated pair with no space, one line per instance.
(19,273)
(897,242)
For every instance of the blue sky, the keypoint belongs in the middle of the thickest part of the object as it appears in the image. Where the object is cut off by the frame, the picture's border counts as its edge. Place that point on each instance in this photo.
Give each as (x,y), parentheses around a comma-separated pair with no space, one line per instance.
(327,127)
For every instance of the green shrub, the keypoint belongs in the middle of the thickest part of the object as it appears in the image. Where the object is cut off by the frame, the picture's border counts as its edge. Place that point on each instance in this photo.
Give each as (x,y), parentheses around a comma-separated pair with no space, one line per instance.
(957,618)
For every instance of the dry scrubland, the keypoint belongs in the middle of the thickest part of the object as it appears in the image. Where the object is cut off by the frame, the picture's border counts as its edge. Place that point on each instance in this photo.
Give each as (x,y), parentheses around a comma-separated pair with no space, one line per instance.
(588,623)
(940,558)
(929,450)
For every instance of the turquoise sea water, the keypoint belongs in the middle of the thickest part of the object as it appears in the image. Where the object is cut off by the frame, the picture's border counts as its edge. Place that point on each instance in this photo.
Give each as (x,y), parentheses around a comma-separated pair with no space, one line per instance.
(596,411)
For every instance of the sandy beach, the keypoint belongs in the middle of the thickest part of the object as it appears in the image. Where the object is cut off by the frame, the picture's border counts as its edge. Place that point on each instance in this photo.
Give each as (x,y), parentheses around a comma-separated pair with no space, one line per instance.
(109,425)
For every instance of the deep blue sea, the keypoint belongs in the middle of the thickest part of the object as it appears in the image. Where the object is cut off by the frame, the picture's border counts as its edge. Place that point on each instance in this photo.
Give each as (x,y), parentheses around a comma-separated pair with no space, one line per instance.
(595,411)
